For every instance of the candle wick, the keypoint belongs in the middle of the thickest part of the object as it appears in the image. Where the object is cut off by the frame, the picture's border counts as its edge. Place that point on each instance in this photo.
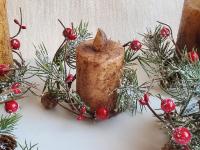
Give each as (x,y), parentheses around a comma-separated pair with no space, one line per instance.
(100,40)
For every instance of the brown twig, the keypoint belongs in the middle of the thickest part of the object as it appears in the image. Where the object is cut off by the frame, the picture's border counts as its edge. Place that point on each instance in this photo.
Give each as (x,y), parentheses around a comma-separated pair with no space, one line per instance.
(73,112)
(20,27)
(172,38)
(20,56)
(126,44)
(61,23)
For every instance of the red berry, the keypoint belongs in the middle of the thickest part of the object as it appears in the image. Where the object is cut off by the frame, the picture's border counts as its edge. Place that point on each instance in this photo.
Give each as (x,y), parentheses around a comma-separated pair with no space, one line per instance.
(181,135)
(146,97)
(193,56)
(168,105)
(16,91)
(15,85)
(164,32)
(69,33)
(11,106)
(136,45)
(72,37)
(102,113)
(23,27)
(15,44)
(83,110)
(69,78)
(144,100)
(80,117)
(4,69)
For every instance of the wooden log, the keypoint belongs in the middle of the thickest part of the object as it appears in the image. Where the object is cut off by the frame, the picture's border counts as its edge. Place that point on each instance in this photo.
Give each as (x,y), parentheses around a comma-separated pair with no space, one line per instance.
(5,49)
(189,30)
(99,67)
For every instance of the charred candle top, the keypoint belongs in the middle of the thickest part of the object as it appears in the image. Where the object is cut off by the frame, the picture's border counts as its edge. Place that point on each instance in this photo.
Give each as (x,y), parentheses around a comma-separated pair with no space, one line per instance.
(100,48)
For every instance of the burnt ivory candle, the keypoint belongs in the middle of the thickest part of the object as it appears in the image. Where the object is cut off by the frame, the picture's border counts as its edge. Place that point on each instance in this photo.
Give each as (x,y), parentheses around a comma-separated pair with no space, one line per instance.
(5,50)
(99,68)
(189,30)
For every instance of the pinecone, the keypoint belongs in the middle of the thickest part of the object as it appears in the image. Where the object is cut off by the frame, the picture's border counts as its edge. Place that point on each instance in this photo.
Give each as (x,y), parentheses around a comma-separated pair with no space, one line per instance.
(49,100)
(7,142)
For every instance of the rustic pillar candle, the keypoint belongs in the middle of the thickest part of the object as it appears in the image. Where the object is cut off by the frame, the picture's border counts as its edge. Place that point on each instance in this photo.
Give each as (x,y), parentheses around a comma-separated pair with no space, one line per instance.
(5,50)
(189,30)
(99,67)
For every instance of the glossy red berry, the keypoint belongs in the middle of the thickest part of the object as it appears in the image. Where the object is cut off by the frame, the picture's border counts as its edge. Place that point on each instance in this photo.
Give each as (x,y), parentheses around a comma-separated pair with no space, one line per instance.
(11,106)
(144,100)
(69,33)
(136,45)
(15,44)
(69,78)
(15,85)
(4,69)
(83,110)
(16,91)
(102,113)
(72,36)
(181,135)
(168,105)
(164,32)
(193,56)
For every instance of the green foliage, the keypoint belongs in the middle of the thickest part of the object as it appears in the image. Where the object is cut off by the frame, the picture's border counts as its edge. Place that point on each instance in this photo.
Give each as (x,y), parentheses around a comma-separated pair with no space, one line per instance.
(8,123)
(67,50)
(179,78)
(156,53)
(29,146)
(129,92)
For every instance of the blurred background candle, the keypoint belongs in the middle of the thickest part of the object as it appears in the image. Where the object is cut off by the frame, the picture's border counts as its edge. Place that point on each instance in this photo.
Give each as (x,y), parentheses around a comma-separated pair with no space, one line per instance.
(5,50)
(189,30)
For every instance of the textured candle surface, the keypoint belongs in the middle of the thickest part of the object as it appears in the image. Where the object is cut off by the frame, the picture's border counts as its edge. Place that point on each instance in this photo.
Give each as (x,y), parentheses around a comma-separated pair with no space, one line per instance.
(5,50)
(98,73)
(189,31)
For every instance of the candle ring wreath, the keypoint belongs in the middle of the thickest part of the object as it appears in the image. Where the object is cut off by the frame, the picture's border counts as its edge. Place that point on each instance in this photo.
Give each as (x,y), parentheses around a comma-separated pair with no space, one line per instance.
(14,76)
(175,70)
(14,85)
(112,89)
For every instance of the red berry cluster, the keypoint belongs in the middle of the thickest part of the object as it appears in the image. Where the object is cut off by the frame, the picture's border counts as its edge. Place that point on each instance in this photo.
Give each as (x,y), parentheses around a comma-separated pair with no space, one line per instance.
(4,69)
(82,111)
(20,25)
(69,78)
(12,106)
(15,43)
(193,56)
(69,34)
(164,32)
(144,100)
(136,45)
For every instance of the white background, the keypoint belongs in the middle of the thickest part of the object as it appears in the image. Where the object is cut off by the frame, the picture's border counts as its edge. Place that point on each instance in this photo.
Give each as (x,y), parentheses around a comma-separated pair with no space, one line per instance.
(121,20)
